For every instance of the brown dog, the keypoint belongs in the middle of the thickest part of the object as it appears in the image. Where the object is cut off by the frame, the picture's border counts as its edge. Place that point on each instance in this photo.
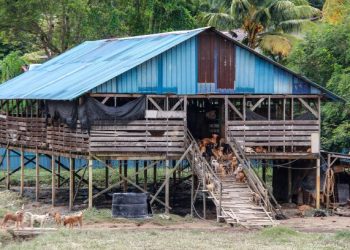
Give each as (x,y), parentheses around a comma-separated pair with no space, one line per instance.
(16,217)
(57,217)
(73,220)
(302,209)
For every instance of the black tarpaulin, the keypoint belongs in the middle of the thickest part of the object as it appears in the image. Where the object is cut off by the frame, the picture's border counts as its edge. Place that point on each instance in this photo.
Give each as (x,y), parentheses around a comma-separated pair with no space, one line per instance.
(91,110)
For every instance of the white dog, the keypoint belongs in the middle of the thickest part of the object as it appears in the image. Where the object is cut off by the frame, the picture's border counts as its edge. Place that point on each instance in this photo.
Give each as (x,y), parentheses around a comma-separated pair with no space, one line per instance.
(39,218)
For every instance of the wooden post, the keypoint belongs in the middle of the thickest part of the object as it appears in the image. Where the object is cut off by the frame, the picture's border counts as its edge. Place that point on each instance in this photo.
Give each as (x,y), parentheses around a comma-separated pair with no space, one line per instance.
(289,183)
(167,186)
(59,171)
(107,162)
(22,172)
(204,198)
(8,163)
(318,182)
(327,181)
(120,172)
(263,170)
(192,193)
(71,182)
(145,176)
(137,170)
(53,176)
(125,175)
(155,175)
(37,172)
(90,182)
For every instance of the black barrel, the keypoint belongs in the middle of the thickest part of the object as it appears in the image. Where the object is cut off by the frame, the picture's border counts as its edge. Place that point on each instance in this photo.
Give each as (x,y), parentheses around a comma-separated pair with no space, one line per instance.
(130,205)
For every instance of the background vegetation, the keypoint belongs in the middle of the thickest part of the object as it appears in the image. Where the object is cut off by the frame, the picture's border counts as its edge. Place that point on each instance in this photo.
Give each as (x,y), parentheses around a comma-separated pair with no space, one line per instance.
(310,36)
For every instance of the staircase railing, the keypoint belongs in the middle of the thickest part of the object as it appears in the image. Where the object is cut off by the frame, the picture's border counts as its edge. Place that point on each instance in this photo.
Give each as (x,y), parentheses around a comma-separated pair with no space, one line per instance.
(255,183)
(204,171)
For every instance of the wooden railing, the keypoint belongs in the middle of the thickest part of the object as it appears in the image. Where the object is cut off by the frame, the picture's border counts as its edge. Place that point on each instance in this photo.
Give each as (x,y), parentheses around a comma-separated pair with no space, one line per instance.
(281,135)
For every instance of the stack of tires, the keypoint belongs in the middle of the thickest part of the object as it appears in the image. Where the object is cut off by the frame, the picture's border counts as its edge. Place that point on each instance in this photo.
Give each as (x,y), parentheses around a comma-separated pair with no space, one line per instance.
(130,205)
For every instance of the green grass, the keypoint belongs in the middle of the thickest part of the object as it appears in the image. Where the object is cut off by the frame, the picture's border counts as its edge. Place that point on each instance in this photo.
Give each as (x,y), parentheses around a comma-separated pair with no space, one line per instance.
(276,238)
(10,201)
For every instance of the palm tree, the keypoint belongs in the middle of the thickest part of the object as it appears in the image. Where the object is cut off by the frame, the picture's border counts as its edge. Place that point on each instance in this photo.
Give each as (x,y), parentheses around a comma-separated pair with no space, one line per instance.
(267,23)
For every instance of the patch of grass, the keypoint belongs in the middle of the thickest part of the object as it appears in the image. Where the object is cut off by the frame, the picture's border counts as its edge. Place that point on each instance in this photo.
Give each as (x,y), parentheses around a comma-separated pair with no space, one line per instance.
(10,201)
(5,238)
(275,232)
(343,235)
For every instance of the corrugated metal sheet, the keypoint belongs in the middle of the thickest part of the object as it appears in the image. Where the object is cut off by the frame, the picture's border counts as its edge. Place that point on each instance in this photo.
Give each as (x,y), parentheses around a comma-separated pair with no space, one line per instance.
(173,71)
(88,65)
(245,71)
(283,82)
(206,67)
(226,64)
(264,76)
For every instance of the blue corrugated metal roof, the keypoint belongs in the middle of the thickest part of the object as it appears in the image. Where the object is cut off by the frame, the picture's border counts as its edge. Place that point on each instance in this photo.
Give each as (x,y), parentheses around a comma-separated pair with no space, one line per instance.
(88,65)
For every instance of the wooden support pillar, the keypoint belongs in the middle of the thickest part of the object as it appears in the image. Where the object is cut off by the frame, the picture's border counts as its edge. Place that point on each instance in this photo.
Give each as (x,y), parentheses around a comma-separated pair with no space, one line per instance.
(145,175)
(204,199)
(328,181)
(90,182)
(192,193)
(155,175)
(120,172)
(125,188)
(59,171)
(8,163)
(53,176)
(167,186)
(289,183)
(318,182)
(22,172)
(107,162)
(137,170)
(264,170)
(37,173)
(71,182)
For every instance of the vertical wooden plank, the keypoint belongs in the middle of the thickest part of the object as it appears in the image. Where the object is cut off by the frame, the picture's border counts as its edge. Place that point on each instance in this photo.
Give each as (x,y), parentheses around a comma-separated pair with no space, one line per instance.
(22,172)
(167,186)
(90,182)
(226,119)
(107,162)
(8,163)
(244,108)
(328,181)
(204,197)
(53,176)
(58,171)
(289,183)
(120,172)
(71,182)
(318,182)
(145,176)
(37,174)
(125,175)
(137,170)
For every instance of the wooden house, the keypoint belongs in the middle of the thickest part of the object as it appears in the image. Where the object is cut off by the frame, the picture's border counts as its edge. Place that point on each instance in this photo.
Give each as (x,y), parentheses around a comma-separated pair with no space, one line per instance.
(195,82)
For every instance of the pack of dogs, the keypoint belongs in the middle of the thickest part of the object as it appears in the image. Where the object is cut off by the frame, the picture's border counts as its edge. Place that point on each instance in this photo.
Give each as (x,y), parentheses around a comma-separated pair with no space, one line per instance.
(21,216)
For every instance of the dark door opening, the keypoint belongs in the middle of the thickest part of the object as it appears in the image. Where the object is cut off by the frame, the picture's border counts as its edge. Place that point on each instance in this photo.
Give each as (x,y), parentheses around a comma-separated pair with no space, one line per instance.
(205,117)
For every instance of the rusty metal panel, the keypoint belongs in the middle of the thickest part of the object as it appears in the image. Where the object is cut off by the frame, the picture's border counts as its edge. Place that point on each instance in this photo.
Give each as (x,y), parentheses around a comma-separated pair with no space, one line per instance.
(226,64)
(206,47)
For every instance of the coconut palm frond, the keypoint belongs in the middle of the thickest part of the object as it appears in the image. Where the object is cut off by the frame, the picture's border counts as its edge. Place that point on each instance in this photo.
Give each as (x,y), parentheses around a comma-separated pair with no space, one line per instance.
(300,2)
(262,16)
(305,12)
(240,8)
(220,20)
(276,45)
(281,10)
(292,25)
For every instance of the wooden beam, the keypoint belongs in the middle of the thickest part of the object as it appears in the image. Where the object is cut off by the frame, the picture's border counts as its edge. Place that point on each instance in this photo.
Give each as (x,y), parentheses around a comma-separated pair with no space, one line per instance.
(155,104)
(257,104)
(22,172)
(145,175)
(53,176)
(125,186)
(318,182)
(328,181)
(37,174)
(8,163)
(233,107)
(167,180)
(90,183)
(105,99)
(71,182)
(107,174)
(137,170)
(314,112)
(177,104)
(59,171)
(155,175)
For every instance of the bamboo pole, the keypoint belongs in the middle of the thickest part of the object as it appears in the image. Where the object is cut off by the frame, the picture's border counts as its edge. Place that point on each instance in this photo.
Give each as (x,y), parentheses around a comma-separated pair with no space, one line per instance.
(90,182)
(22,172)
(37,172)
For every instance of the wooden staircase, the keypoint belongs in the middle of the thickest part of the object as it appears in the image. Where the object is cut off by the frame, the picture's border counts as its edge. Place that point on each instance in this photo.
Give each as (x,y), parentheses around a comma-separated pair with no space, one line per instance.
(234,200)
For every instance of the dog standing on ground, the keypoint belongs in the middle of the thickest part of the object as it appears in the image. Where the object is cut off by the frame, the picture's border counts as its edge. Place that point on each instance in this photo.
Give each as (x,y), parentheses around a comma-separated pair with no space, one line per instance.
(57,217)
(17,217)
(73,220)
(39,218)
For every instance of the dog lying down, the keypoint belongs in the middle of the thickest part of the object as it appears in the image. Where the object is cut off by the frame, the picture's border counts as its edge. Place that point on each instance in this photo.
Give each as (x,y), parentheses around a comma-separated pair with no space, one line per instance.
(39,218)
